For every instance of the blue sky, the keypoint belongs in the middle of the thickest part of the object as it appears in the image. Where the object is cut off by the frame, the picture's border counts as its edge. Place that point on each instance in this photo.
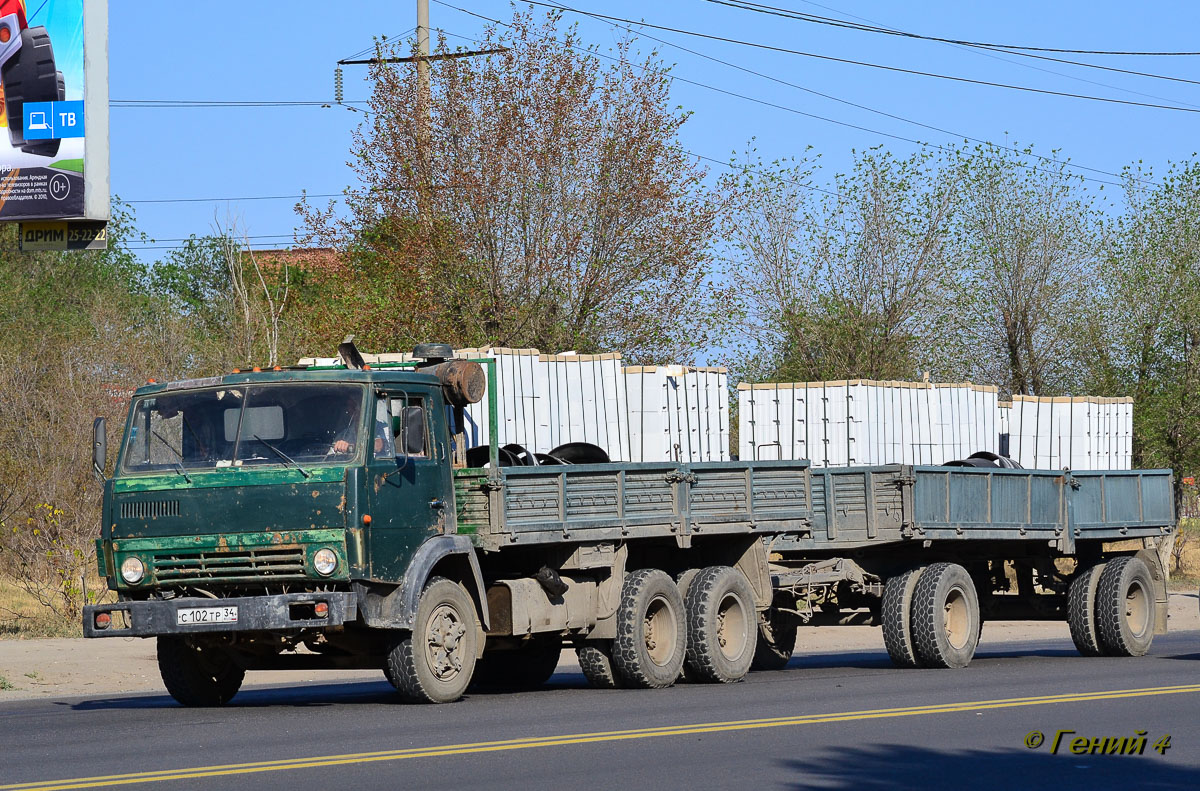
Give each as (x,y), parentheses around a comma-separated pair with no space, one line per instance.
(276,51)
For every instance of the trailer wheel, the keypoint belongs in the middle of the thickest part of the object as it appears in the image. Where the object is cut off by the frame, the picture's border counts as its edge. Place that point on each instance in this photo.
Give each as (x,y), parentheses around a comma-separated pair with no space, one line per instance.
(945,616)
(197,673)
(1081,610)
(595,659)
(434,662)
(30,76)
(651,634)
(721,625)
(896,617)
(526,668)
(776,642)
(1125,607)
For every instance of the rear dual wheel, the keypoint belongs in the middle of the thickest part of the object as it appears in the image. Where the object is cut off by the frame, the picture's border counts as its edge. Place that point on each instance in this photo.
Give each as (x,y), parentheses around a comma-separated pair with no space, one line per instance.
(1110,608)
(721,625)
(931,617)
(1124,607)
(651,642)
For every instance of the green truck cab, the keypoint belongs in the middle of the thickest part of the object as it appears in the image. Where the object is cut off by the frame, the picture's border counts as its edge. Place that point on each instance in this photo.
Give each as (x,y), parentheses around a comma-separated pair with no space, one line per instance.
(256,512)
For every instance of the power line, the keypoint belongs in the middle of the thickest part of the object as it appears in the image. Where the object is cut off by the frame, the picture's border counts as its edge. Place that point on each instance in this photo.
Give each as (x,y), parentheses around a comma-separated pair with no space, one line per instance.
(898,69)
(892,31)
(828,96)
(801,16)
(876,111)
(367,49)
(150,241)
(187,103)
(239,198)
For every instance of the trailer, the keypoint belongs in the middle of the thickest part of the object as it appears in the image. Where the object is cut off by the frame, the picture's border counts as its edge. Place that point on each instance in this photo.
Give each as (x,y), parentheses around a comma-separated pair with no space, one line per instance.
(325,516)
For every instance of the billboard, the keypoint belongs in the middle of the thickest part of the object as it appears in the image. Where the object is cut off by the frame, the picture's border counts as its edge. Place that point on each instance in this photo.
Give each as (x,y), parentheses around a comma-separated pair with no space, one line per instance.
(47,114)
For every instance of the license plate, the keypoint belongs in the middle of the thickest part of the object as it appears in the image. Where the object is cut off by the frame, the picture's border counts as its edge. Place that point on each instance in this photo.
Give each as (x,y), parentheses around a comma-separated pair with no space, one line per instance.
(198,615)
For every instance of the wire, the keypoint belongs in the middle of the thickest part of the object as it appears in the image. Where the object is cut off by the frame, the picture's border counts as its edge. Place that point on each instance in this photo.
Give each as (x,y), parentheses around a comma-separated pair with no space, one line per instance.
(195,238)
(239,198)
(823,118)
(953,78)
(877,111)
(801,16)
(187,103)
(832,21)
(370,48)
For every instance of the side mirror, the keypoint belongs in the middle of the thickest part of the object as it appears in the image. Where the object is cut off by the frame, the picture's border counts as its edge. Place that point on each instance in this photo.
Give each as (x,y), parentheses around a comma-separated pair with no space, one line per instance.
(99,447)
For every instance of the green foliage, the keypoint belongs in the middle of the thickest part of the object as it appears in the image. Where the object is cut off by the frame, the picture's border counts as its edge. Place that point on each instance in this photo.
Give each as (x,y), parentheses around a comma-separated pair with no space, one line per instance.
(1143,335)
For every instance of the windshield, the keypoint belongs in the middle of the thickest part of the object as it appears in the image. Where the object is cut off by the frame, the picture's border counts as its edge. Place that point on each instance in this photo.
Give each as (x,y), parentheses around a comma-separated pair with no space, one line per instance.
(283,424)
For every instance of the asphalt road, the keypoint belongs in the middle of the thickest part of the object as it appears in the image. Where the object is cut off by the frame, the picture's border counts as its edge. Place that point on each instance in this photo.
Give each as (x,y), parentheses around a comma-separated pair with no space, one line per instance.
(847,720)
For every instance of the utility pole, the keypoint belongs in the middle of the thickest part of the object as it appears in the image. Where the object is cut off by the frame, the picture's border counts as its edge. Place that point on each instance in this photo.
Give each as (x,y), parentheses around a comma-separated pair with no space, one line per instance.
(424,109)
(424,186)
(423,50)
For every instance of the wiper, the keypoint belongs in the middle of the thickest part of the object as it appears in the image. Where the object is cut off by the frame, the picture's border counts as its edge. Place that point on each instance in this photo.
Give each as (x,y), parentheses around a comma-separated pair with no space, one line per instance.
(287,459)
(177,464)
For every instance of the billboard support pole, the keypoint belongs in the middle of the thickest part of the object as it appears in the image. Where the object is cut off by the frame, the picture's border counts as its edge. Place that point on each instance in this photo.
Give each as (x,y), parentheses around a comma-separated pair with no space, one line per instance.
(96,202)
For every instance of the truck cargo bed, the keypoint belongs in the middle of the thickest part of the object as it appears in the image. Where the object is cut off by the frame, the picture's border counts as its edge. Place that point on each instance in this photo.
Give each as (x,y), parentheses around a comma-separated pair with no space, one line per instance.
(805,509)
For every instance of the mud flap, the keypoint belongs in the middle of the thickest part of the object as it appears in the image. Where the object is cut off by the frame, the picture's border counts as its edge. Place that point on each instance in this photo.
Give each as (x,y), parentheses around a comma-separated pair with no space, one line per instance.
(1153,558)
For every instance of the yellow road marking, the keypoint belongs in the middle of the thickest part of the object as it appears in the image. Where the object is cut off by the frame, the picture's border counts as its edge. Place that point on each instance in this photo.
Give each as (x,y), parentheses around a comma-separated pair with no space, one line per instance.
(582,738)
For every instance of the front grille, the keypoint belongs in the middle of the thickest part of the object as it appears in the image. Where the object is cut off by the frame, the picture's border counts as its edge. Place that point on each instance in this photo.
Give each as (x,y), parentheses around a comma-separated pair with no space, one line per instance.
(253,564)
(149,509)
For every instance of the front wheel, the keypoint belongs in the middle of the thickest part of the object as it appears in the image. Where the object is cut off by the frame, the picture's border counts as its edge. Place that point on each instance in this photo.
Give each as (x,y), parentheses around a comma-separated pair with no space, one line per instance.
(197,672)
(434,662)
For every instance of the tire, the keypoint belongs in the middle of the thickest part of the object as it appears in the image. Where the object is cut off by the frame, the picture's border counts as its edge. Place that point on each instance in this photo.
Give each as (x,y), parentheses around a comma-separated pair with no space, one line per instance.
(896,617)
(595,659)
(721,626)
(526,668)
(775,644)
(945,617)
(651,632)
(197,674)
(30,76)
(1125,607)
(434,662)
(1081,610)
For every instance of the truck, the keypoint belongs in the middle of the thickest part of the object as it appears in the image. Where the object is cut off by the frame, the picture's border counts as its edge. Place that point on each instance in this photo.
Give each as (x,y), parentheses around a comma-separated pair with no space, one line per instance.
(331,516)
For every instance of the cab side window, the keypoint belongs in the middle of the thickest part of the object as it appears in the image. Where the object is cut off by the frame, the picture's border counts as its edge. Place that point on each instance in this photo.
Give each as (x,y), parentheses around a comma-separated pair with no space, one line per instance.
(408,425)
(384,442)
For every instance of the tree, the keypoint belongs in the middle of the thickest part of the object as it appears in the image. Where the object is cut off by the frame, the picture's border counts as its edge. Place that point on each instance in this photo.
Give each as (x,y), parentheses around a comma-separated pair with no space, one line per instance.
(537,196)
(1143,334)
(1026,234)
(849,281)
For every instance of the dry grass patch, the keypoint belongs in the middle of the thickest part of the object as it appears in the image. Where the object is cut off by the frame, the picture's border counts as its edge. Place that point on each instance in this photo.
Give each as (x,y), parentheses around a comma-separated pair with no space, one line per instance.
(23,617)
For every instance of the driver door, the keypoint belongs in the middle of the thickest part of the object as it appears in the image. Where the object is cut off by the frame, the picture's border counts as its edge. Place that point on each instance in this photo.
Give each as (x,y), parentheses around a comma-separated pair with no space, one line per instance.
(409,482)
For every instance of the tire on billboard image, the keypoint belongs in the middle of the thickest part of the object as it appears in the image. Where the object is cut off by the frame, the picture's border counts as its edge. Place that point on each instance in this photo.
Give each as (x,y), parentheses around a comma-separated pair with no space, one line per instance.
(31,76)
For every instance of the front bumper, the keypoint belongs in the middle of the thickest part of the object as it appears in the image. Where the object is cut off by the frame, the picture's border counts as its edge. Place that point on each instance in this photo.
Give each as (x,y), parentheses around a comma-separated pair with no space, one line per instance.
(255,614)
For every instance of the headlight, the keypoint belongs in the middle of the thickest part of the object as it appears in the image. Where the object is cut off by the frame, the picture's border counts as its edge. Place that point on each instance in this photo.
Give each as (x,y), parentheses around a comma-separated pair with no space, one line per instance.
(132,570)
(325,561)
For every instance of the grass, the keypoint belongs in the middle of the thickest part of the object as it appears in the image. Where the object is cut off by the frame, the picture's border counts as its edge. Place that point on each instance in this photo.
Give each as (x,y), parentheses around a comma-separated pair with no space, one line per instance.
(1187,577)
(22,617)
(4,684)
